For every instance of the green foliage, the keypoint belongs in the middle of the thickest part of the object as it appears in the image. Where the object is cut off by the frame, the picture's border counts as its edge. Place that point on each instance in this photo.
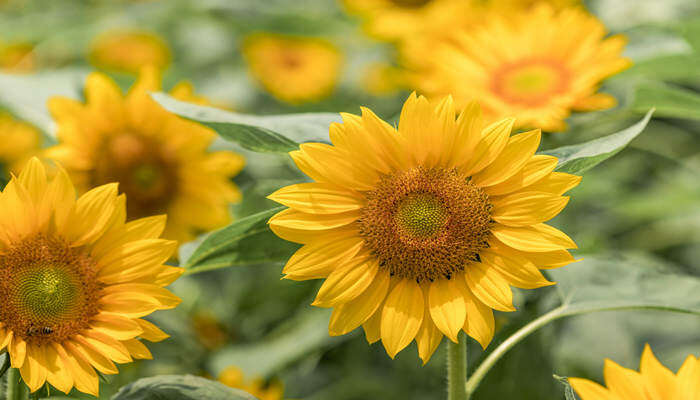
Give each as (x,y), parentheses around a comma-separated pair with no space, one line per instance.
(579,158)
(268,134)
(246,241)
(669,101)
(180,387)
(568,390)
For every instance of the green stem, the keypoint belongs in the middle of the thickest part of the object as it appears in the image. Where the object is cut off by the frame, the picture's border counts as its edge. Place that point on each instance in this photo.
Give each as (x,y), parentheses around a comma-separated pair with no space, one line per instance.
(16,389)
(457,368)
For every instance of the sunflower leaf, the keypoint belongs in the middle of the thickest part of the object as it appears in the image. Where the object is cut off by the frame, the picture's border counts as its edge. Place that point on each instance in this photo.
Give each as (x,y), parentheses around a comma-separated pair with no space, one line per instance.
(181,387)
(245,241)
(669,101)
(579,158)
(605,283)
(265,134)
(568,390)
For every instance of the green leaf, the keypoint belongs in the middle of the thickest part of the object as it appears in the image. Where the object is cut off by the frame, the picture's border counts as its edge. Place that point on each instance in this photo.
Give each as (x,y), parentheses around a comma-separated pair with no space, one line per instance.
(180,387)
(244,242)
(267,134)
(568,390)
(669,101)
(579,158)
(605,283)
(301,336)
(675,67)
(26,95)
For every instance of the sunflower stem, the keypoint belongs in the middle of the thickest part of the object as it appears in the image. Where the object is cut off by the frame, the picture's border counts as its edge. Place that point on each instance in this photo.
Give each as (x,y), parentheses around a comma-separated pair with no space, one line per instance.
(457,368)
(16,389)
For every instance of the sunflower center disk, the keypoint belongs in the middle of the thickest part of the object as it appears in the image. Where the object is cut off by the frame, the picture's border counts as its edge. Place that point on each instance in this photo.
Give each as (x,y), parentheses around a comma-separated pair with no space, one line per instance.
(145,172)
(48,290)
(530,82)
(426,223)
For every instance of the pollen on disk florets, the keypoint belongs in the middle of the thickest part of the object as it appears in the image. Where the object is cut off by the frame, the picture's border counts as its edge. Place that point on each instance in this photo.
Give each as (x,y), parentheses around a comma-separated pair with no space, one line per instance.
(426,223)
(48,290)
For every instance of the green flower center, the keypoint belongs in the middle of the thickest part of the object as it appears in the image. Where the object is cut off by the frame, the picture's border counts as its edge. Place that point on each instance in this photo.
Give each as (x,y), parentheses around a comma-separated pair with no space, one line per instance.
(421,215)
(47,292)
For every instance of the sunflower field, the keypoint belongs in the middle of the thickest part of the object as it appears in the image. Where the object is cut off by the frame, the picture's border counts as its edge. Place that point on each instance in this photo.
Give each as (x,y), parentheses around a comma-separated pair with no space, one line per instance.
(350,199)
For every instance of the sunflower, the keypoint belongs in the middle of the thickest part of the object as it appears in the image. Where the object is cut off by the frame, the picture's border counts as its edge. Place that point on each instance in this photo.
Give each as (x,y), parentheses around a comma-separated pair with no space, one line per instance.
(128,51)
(160,160)
(420,231)
(19,141)
(537,66)
(233,377)
(293,69)
(75,280)
(17,57)
(653,382)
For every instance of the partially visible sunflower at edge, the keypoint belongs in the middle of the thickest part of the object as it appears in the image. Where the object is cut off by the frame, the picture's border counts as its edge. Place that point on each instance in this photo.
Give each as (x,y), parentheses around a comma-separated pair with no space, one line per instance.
(653,381)
(76,279)
(20,141)
(293,69)
(233,377)
(161,161)
(421,231)
(126,50)
(17,57)
(537,66)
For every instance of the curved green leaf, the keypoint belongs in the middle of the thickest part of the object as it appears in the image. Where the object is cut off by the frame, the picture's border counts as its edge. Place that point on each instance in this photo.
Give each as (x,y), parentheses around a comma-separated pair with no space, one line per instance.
(267,134)
(579,158)
(669,101)
(245,241)
(180,387)
(605,284)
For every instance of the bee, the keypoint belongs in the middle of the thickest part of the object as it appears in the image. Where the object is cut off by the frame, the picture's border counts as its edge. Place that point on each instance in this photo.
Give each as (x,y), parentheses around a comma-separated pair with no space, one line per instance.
(34,331)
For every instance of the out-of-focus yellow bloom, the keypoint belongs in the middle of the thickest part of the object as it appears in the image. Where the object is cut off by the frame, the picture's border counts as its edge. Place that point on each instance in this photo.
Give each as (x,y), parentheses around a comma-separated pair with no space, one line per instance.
(233,377)
(129,51)
(537,66)
(653,381)
(19,141)
(293,69)
(76,279)
(210,332)
(420,231)
(160,160)
(383,79)
(17,57)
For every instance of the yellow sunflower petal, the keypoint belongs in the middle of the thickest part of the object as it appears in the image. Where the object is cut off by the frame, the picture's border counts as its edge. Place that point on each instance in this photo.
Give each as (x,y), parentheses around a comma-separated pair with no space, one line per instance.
(137,349)
(116,326)
(535,238)
(515,155)
(91,216)
(556,182)
(689,378)
(310,225)
(372,326)
(134,258)
(56,372)
(489,286)
(402,316)
(447,306)
(348,316)
(588,390)
(79,348)
(151,332)
(318,198)
(527,208)
(660,381)
(428,338)
(479,323)
(316,159)
(33,370)
(18,352)
(319,259)
(623,382)
(163,297)
(347,282)
(517,270)
(105,345)
(84,376)
(494,139)
(538,167)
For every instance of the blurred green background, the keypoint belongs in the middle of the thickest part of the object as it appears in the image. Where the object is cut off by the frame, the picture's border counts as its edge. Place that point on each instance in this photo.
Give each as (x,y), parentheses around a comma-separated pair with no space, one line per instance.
(640,208)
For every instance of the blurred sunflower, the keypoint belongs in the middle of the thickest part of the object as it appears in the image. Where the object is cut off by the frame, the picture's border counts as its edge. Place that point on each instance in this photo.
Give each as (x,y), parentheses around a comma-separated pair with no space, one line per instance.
(160,160)
(382,79)
(420,232)
(129,51)
(653,382)
(518,68)
(17,57)
(293,69)
(75,279)
(233,377)
(19,141)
